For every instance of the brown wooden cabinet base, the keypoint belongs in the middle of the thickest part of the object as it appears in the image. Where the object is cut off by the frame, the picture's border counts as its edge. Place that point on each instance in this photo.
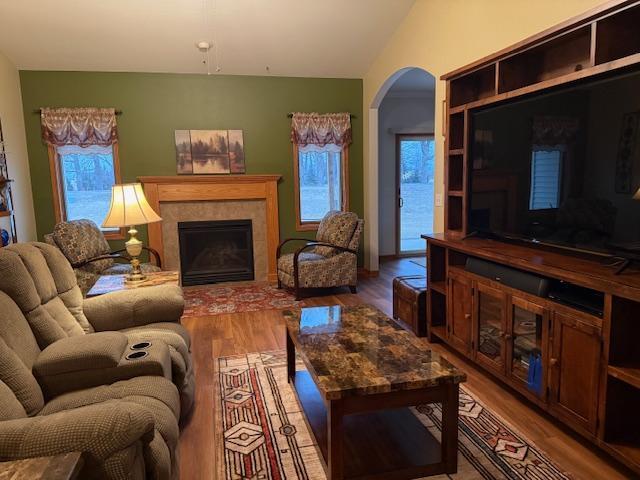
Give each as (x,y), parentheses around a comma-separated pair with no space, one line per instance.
(587,371)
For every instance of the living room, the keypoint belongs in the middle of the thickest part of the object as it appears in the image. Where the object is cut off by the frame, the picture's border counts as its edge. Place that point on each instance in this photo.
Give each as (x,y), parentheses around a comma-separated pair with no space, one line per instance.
(283,240)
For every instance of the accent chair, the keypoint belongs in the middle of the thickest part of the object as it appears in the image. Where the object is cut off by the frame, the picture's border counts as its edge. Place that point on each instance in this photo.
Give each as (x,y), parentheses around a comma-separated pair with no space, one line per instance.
(330,260)
(88,251)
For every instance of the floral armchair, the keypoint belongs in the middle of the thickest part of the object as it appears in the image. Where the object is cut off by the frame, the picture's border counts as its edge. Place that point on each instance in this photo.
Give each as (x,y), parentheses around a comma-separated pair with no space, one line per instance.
(88,251)
(328,261)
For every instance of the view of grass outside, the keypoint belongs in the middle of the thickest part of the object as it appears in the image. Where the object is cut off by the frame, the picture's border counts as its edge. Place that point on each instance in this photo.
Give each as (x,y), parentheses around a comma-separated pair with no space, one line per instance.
(92,205)
(417,170)
(88,175)
(314,202)
(320,183)
(416,219)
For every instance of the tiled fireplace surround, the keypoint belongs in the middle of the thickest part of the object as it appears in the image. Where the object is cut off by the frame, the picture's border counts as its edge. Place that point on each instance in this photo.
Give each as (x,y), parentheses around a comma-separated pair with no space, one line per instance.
(201,197)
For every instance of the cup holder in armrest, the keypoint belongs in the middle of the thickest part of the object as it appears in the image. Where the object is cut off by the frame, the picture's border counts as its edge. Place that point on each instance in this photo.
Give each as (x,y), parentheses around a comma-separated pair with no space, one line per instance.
(136,355)
(140,345)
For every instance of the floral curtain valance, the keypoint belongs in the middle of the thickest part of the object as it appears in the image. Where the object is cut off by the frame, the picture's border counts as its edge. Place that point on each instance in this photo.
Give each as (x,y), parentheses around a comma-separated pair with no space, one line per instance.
(554,130)
(79,126)
(321,129)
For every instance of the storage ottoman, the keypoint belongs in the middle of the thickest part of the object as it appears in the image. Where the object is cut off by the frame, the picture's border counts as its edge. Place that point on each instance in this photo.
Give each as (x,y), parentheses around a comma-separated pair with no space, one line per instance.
(409,303)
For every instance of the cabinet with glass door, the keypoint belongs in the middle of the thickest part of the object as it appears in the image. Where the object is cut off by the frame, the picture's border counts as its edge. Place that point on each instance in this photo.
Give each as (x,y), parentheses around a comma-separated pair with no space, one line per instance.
(527,345)
(490,327)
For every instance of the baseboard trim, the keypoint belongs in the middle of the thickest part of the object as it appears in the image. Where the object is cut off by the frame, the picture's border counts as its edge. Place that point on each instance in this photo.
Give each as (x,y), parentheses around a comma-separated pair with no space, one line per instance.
(364,273)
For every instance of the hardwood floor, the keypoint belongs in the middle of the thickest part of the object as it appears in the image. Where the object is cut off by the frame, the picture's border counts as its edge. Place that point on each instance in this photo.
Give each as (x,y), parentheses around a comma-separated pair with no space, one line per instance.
(234,334)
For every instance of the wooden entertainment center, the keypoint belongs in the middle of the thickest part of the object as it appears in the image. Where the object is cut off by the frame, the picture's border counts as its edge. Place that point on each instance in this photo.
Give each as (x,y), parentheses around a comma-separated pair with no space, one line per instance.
(587,365)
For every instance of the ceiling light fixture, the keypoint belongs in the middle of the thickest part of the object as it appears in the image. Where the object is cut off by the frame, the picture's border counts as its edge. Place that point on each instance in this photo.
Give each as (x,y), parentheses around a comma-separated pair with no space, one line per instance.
(205,46)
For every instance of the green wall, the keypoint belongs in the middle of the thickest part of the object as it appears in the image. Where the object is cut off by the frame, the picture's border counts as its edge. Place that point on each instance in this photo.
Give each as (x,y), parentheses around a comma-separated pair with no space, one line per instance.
(154,105)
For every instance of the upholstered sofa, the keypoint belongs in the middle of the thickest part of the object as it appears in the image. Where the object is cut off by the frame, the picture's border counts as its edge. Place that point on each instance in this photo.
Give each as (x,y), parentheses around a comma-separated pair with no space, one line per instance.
(41,282)
(127,429)
(87,250)
(329,261)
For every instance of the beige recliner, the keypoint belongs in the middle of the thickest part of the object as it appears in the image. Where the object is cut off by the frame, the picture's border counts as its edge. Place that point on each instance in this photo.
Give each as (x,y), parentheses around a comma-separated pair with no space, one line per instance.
(126,430)
(41,282)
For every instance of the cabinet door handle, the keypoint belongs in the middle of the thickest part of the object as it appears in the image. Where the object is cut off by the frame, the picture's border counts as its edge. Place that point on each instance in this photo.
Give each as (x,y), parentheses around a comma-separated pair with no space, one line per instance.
(508,336)
(553,362)
(467,316)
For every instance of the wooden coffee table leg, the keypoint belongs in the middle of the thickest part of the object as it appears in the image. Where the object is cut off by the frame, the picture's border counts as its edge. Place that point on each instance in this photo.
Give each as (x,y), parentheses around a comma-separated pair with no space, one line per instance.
(291,359)
(335,438)
(450,427)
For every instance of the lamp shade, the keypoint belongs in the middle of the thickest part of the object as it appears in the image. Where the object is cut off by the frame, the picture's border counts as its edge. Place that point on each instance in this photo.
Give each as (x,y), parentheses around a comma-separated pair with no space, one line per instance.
(129,207)
(636,196)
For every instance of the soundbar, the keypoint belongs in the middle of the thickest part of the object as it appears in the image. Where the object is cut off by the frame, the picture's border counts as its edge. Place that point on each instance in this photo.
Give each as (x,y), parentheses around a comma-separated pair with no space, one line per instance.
(568,294)
(524,281)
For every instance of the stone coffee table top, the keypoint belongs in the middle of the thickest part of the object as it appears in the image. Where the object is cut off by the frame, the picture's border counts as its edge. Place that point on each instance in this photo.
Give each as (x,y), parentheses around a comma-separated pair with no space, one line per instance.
(358,350)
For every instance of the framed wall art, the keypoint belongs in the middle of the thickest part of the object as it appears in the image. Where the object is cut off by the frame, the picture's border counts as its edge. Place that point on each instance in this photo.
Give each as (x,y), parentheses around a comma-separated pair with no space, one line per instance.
(209,152)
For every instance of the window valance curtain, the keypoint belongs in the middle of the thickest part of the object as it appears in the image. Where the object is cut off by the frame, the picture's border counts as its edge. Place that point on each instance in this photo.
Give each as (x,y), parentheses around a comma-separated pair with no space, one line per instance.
(321,129)
(79,126)
(554,130)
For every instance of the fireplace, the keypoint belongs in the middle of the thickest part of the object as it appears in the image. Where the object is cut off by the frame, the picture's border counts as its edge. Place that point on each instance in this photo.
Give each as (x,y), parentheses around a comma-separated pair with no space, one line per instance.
(215,251)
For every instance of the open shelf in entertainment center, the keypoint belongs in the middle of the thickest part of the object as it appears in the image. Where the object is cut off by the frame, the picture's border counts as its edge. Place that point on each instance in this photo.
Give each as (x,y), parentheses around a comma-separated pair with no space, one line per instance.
(628,374)
(582,270)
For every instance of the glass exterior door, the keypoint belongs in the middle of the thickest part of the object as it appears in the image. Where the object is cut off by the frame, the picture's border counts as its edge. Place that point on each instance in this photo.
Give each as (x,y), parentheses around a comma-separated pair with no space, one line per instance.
(416,172)
(527,345)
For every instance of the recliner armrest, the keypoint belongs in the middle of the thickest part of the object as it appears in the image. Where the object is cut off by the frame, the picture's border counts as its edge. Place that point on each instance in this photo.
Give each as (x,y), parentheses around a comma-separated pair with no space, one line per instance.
(86,352)
(95,359)
(135,307)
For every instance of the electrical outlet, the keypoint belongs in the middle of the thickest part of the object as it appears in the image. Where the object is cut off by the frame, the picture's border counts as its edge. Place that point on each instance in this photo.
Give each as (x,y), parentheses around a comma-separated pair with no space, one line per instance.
(438,199)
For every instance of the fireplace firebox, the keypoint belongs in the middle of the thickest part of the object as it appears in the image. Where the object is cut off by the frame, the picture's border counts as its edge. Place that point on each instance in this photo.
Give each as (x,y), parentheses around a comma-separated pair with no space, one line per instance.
(215,251)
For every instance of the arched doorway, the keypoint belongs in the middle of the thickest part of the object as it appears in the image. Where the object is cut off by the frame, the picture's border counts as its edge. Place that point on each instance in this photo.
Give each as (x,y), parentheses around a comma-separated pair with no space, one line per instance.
(402,164)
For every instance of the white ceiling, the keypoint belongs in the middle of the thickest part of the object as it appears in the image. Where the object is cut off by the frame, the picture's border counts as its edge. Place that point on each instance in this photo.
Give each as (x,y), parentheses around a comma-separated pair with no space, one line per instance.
(307,38)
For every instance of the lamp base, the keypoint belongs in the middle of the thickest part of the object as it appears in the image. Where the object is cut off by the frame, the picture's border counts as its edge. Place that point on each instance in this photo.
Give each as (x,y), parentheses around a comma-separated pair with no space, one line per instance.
(134,278)
(134,247)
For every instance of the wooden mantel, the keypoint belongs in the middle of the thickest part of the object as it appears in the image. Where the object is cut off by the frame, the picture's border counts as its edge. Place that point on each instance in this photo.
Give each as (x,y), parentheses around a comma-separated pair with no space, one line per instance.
(215,188)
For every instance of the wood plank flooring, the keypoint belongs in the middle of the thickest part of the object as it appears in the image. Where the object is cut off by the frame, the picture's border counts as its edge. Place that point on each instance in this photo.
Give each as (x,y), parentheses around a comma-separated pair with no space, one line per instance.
(234,334)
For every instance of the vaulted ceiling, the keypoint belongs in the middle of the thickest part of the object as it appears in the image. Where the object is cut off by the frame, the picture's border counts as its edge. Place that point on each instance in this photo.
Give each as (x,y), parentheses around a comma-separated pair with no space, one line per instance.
(308,38)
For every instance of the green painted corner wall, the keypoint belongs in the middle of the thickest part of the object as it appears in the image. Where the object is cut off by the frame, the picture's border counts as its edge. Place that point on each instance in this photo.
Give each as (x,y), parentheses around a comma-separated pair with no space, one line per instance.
(154,105)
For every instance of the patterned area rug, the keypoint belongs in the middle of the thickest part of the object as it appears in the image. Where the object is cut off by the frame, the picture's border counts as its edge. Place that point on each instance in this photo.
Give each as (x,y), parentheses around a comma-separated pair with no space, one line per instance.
(263,435)
(210,300)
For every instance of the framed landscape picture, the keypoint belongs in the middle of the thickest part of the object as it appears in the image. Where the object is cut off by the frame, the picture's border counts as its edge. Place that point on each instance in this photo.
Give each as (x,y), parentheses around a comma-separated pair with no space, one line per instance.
(183,152)
(236,151)
(209,152)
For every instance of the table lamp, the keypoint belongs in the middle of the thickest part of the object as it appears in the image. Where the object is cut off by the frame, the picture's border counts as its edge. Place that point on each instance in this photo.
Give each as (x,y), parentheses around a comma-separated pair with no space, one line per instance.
(129,208)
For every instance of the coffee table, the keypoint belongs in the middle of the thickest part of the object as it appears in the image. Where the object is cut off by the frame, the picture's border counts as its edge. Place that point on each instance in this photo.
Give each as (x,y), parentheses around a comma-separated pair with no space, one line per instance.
(65,466)
(364,372)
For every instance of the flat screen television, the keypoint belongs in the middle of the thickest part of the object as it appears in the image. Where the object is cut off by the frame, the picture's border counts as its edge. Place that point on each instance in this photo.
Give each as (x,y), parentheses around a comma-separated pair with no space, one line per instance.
(561,168)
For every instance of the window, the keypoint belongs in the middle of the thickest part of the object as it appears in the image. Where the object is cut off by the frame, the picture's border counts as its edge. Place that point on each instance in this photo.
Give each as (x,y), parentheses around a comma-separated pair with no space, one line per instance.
(546,172)
(82,180)
(321,182)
